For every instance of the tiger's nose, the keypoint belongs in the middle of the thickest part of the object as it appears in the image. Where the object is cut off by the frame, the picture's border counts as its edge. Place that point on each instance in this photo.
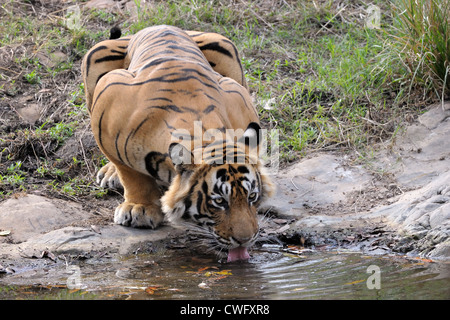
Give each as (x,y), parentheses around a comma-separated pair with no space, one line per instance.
(242,239)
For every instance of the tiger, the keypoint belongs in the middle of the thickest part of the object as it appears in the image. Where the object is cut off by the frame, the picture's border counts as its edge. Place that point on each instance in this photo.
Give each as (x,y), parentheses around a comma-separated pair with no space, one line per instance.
(162,103)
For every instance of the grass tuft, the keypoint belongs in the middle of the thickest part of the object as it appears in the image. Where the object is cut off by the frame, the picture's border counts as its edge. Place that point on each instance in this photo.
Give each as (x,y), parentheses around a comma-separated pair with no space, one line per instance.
(422,39)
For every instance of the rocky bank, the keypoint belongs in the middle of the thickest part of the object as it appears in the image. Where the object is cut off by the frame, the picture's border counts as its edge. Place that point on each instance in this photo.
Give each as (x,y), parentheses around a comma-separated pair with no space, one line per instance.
(396,200)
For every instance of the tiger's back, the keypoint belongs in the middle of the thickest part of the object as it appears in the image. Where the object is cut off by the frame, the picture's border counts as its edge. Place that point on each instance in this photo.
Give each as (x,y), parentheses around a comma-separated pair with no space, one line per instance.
(165,85)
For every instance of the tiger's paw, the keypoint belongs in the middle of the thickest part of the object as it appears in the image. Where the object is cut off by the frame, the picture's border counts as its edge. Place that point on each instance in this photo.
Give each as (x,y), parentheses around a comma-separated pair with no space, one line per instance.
(107,177)
(138,215)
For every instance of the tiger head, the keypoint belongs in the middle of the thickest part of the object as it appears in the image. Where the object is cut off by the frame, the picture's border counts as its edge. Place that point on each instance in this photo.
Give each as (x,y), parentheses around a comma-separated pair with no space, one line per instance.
(219,199)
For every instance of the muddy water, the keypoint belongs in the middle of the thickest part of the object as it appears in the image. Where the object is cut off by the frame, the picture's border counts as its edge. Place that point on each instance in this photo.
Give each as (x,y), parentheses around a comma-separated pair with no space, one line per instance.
(271,273)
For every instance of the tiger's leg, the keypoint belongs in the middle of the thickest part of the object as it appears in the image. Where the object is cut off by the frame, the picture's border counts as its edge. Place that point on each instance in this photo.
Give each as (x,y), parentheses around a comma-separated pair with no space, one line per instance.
(221,54)
(142,208)
(102,58)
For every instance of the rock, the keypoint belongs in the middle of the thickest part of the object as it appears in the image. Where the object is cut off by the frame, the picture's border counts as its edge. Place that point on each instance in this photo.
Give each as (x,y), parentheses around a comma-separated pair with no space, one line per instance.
(52,59)
(422,153)
(113,238)
(32,215)
(424,214)
(324,193)
(30,113)
(316,182)
(100,4)
(38,223)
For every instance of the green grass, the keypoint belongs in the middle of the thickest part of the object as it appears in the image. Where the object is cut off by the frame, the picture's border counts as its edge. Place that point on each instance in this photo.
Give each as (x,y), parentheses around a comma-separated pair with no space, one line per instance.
(422,40)
(316,73)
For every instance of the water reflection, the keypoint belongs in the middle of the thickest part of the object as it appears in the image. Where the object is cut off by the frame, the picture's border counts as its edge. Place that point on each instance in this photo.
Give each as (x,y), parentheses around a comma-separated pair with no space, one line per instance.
(278,275)
(275,274)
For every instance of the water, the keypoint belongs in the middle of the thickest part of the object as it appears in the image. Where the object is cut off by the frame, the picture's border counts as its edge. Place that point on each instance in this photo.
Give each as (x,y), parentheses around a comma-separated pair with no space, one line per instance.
(269,274)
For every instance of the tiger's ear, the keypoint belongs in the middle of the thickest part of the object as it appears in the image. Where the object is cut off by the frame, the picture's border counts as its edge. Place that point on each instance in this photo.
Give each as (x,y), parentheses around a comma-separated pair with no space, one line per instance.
(182,158)
(252,135)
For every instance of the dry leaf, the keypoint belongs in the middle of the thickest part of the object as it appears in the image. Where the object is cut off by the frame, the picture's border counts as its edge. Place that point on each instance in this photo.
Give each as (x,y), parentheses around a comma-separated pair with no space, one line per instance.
(355,282)
(206,268)
(48,254)
(95,229)
(224,272)
(149,291)
(423,259)
(152,289)
(218,273)
(298,289)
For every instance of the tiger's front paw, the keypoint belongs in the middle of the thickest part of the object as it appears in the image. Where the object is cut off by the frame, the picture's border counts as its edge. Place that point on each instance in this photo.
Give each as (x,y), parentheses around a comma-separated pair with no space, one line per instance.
(138,215)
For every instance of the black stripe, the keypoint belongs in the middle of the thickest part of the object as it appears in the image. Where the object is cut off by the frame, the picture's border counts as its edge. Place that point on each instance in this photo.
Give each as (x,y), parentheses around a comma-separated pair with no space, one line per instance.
(117,147)
(169,107)
(160,98)
(243,169)
(152,161)
(211,97)
(193,51)
(88,59)
(243,99)
(188,70)
(168,125)
(215,46)
(199,201)
(100,76)
(261,189)
(220,173)
(100,130)
(188,202)
(161,42)
(216,189)
(205,187)
(126,144)
(197,34)
(109,58)
(215,143)
(124,53)
(143,58)
(159,61)
(236,53)
(174,33)
(140,125)
(209,109)
(187,206)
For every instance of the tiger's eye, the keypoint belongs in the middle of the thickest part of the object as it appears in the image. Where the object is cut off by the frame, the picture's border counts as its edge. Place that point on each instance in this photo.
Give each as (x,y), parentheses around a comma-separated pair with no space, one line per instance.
(219,200)
(252,196)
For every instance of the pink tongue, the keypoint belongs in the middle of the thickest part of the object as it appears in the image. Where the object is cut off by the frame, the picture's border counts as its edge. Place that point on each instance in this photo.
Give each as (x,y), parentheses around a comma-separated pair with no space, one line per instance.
(239,253)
